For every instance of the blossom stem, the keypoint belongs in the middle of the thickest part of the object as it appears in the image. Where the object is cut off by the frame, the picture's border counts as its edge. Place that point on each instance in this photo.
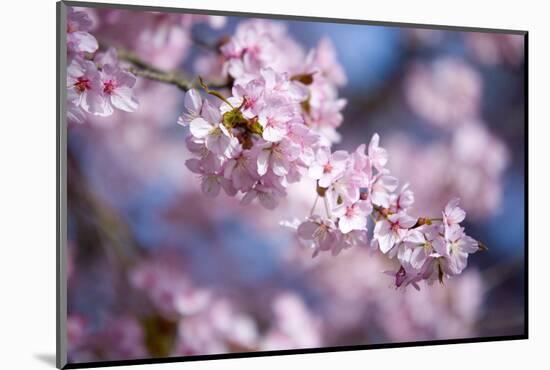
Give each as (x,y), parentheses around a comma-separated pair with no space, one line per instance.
(372,218)
(327,208)
(314,205)
(204,85)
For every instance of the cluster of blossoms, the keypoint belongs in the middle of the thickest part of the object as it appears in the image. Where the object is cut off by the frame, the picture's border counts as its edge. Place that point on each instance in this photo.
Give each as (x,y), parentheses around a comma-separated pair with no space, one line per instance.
(265,135)
(357,186)
(275,127)
(96,83)
(281,110)
(255,142)
(259,44)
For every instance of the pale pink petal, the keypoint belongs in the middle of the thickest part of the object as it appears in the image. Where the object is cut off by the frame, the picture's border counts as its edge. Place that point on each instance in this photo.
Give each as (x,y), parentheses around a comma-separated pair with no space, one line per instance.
(315,171)
(123,99)
(85,42)
(211,186)
(267,200)
(200,128)
(273,134)
(193,102)
(263,161)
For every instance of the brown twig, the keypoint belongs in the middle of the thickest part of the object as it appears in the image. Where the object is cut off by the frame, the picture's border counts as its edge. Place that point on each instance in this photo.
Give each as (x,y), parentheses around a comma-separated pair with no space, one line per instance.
(166,77)
(141,68)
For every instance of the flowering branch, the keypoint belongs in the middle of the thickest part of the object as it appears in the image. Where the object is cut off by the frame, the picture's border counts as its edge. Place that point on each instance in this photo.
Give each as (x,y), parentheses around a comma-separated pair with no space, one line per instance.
(276,126)
(146,70)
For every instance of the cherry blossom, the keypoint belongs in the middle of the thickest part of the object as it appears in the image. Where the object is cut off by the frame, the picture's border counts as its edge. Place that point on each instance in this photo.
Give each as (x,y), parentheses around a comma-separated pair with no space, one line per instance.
(352,216)
(390,231)
(453,214)
(275,122)
(377,155)
(79,40)
(193,107)
(84,87)
(403,200)
(328,167)
(423,242)
(322,234)
(117,89)
(459,245)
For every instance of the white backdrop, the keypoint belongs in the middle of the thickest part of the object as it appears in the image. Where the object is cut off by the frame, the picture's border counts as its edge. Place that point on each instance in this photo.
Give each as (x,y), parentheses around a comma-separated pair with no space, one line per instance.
(27,196)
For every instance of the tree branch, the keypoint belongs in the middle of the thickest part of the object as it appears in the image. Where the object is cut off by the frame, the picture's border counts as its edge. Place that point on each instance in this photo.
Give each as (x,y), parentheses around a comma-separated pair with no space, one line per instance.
(166,77)
(144,69)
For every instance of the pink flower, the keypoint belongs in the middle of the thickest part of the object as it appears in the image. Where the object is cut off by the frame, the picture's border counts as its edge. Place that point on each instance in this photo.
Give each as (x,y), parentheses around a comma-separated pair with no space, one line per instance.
(274,120)
(381,188)
(402,201)
(211,180)
(215,135)
(305,139)
(404,278)
(117,88)
(248,97)
(265,194)
(347,187)
(453,214)
(325,111)
(85,88)
(277,157)
(98,91)
(212,183)
(207,162)
(78,38)
(193,107)
(279,85)
(258,44)
(355,238)
(352,216)
(322,234)
(459,245)
(422,243)
(361,162)
(75,113)
(391,231)
(241,170)
(328,167)
(377,155)
(323,60)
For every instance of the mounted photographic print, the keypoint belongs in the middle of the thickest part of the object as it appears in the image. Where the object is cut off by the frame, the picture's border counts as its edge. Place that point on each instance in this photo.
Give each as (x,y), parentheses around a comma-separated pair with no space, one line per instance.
(234,184)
